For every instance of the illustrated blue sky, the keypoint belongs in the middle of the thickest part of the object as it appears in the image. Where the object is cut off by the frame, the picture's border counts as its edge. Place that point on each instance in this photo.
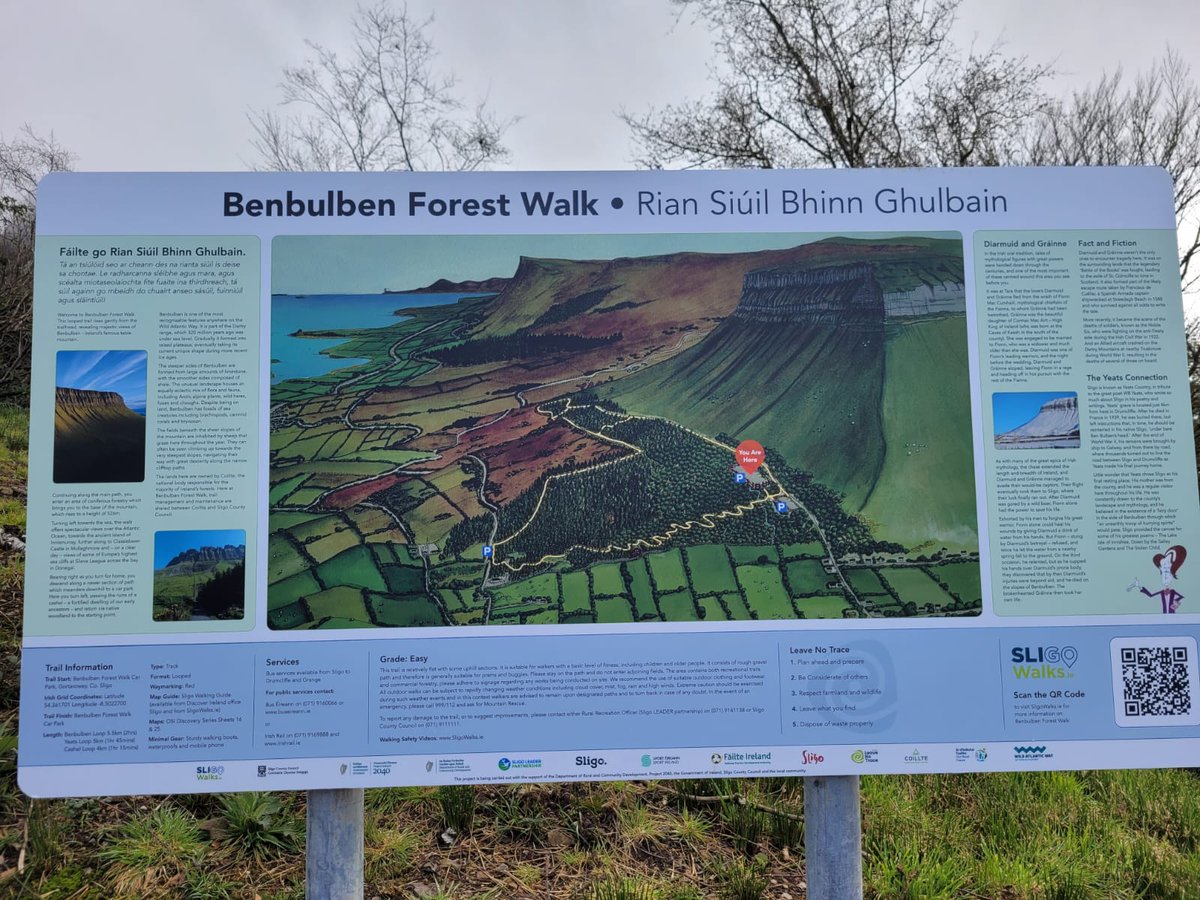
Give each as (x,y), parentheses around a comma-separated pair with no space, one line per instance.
(1012,409)
(121,371)
(169,544)
(369,264)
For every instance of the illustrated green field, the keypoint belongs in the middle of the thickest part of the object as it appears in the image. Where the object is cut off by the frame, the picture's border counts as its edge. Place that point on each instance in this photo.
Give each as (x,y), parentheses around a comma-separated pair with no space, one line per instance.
(562,451)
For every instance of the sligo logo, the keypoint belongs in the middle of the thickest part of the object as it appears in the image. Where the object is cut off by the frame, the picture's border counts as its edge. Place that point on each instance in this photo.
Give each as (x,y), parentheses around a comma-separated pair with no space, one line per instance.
(592,762)
(210,773)
(1043,662)
(809,758)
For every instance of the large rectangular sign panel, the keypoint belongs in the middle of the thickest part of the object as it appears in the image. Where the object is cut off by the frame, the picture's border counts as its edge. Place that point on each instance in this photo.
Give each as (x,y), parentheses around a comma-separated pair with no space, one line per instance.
(358,480)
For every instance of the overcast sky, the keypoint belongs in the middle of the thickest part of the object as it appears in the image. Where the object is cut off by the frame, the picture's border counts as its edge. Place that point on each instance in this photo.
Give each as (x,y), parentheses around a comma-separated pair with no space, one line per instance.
(136,85)
(166,84)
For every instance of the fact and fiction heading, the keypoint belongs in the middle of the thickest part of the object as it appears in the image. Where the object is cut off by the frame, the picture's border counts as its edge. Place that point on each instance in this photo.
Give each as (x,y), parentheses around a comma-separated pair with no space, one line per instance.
(583,203)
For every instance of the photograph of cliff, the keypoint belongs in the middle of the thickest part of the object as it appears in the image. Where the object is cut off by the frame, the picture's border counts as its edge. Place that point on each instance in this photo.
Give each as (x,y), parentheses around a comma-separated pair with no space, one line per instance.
(1044,420)
(524,430)
(100,416)
(199,575)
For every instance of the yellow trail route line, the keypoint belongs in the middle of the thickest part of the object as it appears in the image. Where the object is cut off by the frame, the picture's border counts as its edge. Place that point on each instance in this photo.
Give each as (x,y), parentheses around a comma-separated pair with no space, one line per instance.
(708,520)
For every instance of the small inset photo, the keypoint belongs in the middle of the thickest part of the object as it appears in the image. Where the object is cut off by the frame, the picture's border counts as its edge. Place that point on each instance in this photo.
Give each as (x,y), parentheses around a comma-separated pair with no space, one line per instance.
(1035,420)
(100,416)
(199,575)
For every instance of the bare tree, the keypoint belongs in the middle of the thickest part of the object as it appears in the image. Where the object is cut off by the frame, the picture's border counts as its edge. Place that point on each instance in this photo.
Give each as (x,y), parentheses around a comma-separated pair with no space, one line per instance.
(1193,359)
(842,83)
(385,108)
(878,83)
(23,162)
(1155,120)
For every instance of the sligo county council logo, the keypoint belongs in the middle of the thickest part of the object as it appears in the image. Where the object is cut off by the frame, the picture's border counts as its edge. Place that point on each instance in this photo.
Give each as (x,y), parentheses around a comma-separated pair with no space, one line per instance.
(505,764)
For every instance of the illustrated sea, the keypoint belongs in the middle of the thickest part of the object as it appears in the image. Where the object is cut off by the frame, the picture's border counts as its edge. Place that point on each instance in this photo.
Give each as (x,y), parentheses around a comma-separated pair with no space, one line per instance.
(302,357)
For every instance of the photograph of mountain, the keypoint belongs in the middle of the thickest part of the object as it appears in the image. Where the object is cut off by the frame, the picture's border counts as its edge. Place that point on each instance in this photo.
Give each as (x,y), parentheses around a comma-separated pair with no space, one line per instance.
(199,575)
(1042,420)
(550,430)
(100,416)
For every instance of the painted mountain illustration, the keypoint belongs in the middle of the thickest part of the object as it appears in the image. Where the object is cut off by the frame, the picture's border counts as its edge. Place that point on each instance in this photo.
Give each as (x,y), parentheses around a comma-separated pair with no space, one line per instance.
(563,450)
(854,371)
(446,286)
(1055,425)
(97,438)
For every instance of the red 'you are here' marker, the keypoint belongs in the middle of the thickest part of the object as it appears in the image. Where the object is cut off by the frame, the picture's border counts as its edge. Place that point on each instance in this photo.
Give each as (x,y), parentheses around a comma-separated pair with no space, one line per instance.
(750,455)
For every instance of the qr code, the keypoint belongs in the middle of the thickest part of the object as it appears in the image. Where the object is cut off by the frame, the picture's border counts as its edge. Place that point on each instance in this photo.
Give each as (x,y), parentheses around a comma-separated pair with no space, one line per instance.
(1155,681)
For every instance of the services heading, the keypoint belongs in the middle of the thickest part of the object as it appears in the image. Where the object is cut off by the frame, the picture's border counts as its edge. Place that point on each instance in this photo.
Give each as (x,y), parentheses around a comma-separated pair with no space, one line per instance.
(579,203)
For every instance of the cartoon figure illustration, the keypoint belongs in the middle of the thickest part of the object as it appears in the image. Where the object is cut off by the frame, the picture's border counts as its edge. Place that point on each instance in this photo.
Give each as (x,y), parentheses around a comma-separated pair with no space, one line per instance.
(1168,564)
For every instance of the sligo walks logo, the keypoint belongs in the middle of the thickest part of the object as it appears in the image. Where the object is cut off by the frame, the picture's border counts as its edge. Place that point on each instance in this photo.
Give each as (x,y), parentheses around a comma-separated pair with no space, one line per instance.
(1043,662)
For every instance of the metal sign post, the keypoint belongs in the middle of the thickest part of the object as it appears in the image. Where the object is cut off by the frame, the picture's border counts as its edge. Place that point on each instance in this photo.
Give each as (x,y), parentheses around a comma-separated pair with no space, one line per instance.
(334,865)
(833,838)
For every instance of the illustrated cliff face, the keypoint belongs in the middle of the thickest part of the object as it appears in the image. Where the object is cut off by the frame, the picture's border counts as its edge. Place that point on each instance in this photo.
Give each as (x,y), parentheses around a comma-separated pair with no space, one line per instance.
(839,296)
(97,438)
(798,365)
(853,369)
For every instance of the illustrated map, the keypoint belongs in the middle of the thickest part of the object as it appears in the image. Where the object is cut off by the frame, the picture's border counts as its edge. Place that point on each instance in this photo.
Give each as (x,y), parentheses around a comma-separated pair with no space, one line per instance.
(709,436)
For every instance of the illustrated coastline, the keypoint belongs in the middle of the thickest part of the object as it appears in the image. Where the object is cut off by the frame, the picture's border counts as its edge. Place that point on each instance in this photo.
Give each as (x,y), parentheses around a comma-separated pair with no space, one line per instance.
(445,286)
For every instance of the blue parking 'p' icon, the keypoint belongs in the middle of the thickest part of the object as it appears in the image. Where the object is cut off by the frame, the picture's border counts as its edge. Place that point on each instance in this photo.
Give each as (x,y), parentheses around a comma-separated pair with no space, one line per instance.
(781,506)
(739,477)
(487,551)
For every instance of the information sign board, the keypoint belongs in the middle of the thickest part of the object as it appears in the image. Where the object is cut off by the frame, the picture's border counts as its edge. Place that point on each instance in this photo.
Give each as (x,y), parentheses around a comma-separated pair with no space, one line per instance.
(360,480)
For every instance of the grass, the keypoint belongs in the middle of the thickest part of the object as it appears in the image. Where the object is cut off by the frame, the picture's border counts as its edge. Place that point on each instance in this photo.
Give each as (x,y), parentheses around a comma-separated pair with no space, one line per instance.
(259,825)
(1013,836)
(14,455)
(152,851)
